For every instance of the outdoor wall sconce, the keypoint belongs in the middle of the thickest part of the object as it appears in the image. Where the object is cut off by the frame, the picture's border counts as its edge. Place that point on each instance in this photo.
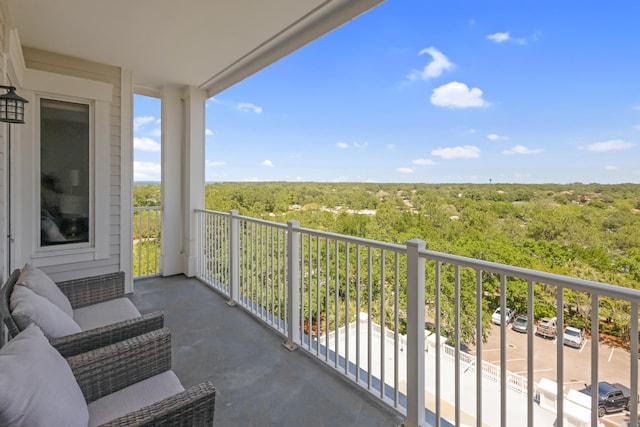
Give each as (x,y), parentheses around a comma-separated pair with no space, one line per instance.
(11,111)
(11,106)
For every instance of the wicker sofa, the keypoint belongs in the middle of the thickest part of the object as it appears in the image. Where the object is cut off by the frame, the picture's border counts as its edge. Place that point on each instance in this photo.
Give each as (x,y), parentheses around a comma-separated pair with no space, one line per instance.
(129,383)
(84,295)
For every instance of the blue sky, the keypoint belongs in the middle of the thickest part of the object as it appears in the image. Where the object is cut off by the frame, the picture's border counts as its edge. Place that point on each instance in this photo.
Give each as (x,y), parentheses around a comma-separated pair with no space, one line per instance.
(433,92)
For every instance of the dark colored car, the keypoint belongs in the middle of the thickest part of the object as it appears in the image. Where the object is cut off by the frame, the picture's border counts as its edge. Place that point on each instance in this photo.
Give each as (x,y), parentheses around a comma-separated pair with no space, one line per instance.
(611,397)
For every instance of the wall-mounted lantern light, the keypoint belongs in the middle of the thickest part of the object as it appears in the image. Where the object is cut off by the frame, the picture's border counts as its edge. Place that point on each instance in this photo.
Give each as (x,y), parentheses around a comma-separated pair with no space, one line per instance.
(11,111)
(11,106)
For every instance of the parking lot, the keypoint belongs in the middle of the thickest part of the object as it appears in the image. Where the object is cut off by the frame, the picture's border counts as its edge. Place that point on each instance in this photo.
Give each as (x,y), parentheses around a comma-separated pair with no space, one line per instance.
(613,364)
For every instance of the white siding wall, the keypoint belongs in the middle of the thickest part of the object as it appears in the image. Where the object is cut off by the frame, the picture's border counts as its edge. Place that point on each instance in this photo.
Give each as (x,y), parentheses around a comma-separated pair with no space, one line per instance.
(74,67)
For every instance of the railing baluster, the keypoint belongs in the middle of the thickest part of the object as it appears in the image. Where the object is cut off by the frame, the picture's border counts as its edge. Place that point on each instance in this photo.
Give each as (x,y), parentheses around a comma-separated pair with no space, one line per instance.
(633,404)
(457,300)
(383,335)
(358,308)
(530,352)
(478,359)
(560,358)
(347,276)
(336,323)
(396,330)
(438,320)
(369,316)
(595,339)
(503,350)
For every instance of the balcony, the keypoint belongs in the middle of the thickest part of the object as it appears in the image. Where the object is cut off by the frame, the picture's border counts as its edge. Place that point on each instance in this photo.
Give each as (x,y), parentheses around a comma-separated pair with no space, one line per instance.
(374,317)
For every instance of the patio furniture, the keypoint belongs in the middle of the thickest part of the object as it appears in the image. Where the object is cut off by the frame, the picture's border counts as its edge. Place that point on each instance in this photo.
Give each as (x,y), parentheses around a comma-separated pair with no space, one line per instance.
(76,315)
(128,383)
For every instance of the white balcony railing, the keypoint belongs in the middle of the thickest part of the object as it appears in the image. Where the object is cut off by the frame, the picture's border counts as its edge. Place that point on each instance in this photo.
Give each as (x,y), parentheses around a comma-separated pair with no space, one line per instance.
(359,306)
(146,241)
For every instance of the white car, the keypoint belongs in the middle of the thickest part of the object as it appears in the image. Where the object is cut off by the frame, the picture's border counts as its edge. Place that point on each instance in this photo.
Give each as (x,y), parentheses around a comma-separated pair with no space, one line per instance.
(496,318)
(573,337)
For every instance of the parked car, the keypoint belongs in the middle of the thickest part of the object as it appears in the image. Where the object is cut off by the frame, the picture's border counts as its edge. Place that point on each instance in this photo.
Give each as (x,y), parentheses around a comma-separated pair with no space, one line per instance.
(520,324)
(547,327)
(573,336)
(611,397)
(496,317)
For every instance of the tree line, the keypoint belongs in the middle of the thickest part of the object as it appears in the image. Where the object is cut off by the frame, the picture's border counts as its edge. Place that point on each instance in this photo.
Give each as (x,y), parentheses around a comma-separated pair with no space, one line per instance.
(587,231)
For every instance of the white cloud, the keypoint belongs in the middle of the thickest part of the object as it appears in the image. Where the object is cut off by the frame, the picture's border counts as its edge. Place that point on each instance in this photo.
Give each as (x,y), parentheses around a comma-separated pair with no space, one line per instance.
(496,137)
(157,132)
(391,146)
(360,144)
(208,132)
(611,168)
(247,107)
(612,144)
(146,144)
(342,145)
(138,122)
(215,163)
(435,68)
(146,171)
(457,95)
(405,170)
(423,162)
(267,163)
(465,152)
(637,127)
(521,149)
(499,37)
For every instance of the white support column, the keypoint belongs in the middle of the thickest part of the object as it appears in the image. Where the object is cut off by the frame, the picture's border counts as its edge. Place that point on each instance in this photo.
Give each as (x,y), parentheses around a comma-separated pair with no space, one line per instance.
(192,173)
(172,125)
(126,178)
(415,334)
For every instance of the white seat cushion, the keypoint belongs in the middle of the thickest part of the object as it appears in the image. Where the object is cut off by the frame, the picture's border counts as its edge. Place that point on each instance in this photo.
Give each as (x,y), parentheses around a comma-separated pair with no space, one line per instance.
(37,387)
(134,397)
(105,313)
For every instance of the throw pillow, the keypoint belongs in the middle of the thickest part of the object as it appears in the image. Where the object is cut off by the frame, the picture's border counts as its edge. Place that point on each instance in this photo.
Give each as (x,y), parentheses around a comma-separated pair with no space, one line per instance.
(38,386)
(36,280)
(28,306)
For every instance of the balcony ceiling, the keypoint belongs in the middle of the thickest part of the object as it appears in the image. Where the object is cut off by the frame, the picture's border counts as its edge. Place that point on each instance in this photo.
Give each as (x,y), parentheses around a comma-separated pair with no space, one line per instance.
(202,43)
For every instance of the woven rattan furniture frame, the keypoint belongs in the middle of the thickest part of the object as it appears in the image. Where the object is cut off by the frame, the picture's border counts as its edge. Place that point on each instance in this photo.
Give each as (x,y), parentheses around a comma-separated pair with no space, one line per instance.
(82,293)
(106,370)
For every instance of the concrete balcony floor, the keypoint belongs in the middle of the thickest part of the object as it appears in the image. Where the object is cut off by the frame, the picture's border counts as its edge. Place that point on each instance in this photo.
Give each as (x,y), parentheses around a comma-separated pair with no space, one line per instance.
(258,381)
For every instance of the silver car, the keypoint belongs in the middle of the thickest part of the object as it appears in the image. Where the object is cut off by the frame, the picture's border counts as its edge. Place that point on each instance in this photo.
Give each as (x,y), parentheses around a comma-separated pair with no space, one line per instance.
(520,324)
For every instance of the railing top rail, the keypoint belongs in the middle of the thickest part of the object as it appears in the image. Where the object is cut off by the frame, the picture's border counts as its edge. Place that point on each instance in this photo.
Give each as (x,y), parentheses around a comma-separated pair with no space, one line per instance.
(619,292)
(147,208)
(356,240)
(213,212)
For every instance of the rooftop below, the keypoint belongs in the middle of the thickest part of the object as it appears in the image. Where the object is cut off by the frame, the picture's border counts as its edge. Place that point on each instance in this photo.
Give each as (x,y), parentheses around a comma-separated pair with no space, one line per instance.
(259,382)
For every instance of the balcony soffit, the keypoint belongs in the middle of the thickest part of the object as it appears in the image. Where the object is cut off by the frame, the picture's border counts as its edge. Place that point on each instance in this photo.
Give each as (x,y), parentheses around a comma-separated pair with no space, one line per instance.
(200,43)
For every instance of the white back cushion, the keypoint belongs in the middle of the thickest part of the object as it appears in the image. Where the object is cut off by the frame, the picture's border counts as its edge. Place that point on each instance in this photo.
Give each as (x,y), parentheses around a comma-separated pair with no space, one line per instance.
(36,280)
(38,387)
